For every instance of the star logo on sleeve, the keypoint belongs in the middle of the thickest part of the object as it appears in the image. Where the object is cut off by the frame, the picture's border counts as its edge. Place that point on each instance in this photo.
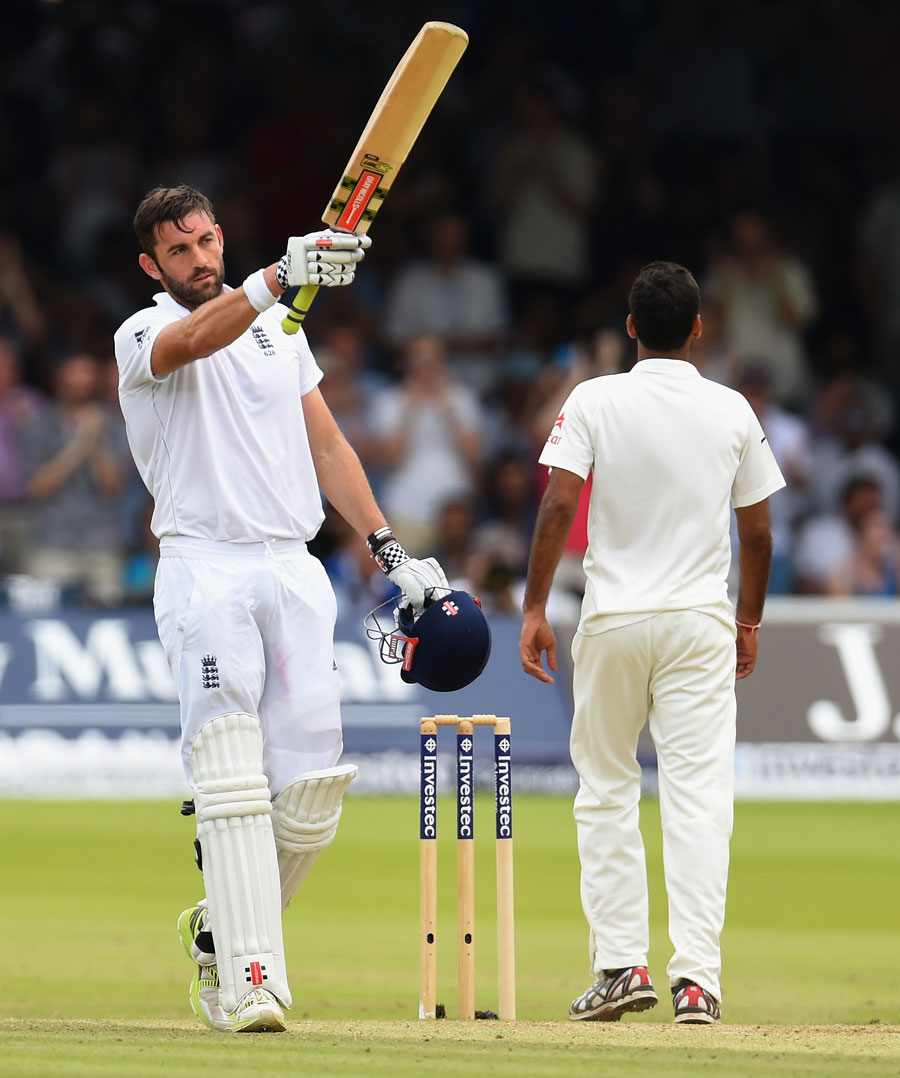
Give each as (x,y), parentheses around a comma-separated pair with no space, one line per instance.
(555,435)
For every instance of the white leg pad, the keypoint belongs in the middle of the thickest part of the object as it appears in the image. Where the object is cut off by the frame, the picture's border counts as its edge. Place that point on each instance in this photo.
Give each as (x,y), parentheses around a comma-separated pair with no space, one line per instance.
(305,818)
(240,864)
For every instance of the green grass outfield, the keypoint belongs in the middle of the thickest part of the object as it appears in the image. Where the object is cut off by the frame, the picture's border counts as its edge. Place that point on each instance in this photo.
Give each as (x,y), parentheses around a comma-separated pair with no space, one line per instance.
(95,983)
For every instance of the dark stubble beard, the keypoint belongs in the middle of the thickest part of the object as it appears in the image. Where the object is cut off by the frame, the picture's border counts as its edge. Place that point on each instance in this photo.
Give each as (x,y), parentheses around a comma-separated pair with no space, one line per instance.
(193,295)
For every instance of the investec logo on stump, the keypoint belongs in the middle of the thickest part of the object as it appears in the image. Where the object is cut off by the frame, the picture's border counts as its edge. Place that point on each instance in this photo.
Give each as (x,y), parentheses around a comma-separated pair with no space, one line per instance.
(503,790)
(428,798)
(464,753)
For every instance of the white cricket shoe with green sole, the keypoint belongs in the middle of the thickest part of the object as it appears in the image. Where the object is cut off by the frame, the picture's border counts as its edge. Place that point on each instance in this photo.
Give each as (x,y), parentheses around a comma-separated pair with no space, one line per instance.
(258,1011)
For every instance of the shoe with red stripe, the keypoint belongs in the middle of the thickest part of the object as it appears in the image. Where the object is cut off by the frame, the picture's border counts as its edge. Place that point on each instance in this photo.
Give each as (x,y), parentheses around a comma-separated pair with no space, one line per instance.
(614,993)
(694,1005)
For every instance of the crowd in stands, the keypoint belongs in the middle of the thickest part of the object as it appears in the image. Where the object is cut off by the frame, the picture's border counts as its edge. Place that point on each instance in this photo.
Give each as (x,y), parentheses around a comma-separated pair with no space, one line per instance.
(754,143)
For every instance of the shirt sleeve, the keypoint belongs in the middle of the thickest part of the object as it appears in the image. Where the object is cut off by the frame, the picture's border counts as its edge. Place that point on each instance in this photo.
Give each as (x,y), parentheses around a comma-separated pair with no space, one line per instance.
(758,475)
(569,444)
(134,342)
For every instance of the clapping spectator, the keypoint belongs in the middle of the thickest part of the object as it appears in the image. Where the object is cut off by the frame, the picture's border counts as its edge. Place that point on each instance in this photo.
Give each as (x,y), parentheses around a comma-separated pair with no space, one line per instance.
(455,297)
(546,180)
(766,298)
(430,430)
(825,543)
(873,566)
(74,477)
(19,404)
(349,388)
(788,436)
(851,420)
(20,312)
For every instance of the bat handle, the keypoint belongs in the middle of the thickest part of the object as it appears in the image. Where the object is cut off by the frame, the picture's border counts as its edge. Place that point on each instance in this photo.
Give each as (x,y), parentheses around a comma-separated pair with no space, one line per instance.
(293,320)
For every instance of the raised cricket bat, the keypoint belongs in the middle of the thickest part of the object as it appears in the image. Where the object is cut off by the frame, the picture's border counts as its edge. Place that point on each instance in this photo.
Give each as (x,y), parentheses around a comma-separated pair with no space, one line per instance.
(393,127)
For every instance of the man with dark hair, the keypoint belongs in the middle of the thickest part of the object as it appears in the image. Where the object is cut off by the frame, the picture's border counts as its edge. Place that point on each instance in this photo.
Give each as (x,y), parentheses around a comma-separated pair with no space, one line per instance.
(234,441)
(670,453)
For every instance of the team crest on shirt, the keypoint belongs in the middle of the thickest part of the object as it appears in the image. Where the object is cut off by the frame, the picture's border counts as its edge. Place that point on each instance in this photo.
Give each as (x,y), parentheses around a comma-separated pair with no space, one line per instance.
(557,426)
(209,672)
(262,339)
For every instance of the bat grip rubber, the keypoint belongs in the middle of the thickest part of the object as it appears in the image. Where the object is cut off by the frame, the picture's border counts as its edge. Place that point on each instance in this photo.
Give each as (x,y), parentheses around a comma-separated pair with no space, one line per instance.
(293,320)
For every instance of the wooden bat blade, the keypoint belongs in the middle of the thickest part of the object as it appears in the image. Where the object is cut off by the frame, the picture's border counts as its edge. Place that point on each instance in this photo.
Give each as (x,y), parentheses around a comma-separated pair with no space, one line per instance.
(398,117)
(394,126)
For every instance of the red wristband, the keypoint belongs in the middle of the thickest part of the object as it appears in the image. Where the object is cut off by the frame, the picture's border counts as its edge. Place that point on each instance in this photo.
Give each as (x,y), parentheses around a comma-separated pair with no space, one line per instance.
(747,628)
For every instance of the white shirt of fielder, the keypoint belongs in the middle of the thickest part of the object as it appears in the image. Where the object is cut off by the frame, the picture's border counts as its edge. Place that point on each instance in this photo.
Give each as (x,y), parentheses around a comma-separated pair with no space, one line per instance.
(670,452)
(221,443)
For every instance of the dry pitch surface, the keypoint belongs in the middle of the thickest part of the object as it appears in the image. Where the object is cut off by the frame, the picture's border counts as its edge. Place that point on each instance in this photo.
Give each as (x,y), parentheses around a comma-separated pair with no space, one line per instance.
(34,1049)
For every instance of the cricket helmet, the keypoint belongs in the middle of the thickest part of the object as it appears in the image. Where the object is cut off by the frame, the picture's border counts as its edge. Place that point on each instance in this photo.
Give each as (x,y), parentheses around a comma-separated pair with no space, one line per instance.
(445,648)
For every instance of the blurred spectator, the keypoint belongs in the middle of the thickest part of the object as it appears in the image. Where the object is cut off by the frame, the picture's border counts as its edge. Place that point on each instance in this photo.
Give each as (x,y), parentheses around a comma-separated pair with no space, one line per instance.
(430,431)
(825,542)
(93,177)
(873,567)
(851,422)
(20,313)
(19,405)
(74,477)
(452,296)
(349,389)
(545,183)
(118,285)
(766,298)
(139,568)
(710,355)
(879,248)
(509,496)
(491,575)
(602,354)
(359,584)
(133,499)
(788,437)
(454,537)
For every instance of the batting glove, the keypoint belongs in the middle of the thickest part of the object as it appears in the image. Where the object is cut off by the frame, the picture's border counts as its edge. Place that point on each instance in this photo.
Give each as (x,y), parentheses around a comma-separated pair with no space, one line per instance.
(321,258)
(420,581)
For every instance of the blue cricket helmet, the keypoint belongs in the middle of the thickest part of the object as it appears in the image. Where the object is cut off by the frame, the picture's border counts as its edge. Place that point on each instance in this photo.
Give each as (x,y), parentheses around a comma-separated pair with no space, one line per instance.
(448,645)
(444,649)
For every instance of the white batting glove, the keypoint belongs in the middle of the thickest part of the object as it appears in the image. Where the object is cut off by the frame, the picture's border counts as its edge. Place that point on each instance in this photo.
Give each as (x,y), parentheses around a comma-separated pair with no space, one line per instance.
(322,258)
(420,581)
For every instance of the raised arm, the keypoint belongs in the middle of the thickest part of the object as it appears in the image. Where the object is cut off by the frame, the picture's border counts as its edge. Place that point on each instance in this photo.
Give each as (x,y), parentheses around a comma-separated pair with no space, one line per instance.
(211,326)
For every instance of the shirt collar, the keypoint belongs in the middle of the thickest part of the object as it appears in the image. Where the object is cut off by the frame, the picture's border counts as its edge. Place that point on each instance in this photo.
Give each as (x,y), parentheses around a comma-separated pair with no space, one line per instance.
(675,368)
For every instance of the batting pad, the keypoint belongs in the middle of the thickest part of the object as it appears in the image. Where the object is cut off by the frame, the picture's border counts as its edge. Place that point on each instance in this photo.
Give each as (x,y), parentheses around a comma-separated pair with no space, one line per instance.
(240,865)
(305,819)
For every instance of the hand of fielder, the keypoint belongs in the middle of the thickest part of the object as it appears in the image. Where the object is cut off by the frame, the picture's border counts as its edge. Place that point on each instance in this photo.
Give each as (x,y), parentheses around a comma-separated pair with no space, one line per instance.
(323,258)
(747,645)
(537,636)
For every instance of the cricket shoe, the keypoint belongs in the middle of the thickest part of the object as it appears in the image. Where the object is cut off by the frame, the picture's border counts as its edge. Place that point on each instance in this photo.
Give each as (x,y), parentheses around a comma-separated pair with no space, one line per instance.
(614,993)
(204,992)
(693,1004)
(258,1012)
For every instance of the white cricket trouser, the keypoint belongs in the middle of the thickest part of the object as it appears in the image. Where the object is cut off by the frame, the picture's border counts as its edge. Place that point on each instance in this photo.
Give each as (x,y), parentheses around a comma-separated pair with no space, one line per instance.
(249,628)
(677,668)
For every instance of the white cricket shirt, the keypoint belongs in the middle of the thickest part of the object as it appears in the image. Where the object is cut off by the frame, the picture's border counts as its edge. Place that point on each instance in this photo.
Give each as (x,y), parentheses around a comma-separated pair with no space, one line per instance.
(221,443)
(671,452)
